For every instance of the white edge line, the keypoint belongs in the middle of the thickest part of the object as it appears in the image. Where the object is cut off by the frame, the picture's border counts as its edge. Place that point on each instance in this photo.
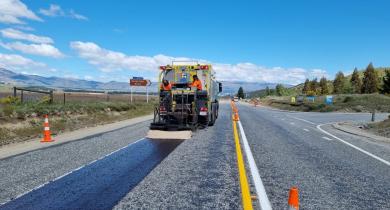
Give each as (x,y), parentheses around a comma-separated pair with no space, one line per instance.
(303,120)
(353,146)
(327,138)
(260,190)
(62,176)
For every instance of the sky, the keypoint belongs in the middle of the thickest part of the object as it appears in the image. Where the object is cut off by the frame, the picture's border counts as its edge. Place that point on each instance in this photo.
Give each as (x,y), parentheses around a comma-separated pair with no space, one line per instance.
(254,41)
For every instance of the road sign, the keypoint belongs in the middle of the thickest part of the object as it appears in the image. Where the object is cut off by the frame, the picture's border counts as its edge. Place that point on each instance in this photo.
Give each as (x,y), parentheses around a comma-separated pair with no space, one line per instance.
(310,98)
(138,78)
(293,99)
(329,99)
(136,82)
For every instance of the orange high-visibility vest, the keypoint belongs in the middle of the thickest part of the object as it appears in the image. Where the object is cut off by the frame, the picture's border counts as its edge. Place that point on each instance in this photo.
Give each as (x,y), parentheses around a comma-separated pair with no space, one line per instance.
(166,88)
(197,84)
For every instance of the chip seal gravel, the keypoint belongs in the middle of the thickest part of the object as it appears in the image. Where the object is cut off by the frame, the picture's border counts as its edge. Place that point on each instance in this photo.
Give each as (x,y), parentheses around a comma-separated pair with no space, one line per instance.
(201,173)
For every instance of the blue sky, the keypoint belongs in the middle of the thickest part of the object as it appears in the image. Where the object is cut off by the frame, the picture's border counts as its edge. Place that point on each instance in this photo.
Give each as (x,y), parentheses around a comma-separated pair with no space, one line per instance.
(256,41)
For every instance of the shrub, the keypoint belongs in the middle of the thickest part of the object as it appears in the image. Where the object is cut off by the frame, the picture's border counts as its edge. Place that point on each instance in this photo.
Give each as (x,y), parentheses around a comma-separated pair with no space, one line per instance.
(9,100)
(8,110)
(45,100)
(348,99)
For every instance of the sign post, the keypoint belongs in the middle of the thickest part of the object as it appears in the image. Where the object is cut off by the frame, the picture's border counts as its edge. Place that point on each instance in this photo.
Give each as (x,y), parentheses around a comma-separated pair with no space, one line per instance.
(131,94)
(139,82)
(147,95)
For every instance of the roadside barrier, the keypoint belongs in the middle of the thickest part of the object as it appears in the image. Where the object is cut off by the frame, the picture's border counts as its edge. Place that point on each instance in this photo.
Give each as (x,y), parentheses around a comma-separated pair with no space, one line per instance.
(46,131)
(293,199)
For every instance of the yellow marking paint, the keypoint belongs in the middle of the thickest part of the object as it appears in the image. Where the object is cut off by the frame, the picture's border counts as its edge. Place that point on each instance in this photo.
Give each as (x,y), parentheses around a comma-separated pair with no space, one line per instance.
(246,196)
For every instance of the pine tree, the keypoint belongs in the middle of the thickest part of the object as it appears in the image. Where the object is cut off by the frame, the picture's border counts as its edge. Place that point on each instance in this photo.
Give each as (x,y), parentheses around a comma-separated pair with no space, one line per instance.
(267,91)
(339,83)
(306,87)
(356,82)
(279,89)
(386,83)
(324,86)
(240,93)
(370,80)
(313,85)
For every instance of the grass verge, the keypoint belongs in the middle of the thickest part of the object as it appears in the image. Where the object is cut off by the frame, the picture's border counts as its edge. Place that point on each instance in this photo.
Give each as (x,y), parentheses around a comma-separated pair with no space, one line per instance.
(380,128)
(342,103)
(20,122)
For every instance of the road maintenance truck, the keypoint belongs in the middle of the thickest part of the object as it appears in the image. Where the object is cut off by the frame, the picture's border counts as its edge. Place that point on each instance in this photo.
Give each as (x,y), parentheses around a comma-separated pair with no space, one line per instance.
(184,107)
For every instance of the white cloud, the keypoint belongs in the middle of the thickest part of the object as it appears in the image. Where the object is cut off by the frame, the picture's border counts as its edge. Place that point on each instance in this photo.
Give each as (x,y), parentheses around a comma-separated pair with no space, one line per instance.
(24,28)
(110,61)
(318,73)
(17,62)
(56,11)
(16,34)
(87,77)
(74,15)
(11,11)
(53,11)
(34,49)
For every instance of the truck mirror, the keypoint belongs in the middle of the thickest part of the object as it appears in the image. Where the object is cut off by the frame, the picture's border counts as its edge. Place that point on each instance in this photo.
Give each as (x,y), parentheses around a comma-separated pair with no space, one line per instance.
(220,87)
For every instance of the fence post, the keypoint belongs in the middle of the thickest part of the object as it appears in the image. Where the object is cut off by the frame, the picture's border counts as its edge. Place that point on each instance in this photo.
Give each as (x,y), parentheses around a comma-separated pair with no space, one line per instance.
(373,116)
(15,92)
(108,97)
(51,96)
(64,97)
(21,96)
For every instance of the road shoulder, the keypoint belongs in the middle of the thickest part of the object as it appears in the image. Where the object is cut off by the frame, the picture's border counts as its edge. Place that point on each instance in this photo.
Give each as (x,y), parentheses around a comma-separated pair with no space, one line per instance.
(345,127)
(34,144)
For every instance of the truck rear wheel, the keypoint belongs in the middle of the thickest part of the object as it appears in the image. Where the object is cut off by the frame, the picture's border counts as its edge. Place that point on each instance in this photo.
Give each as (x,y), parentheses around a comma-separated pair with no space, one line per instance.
(212,116)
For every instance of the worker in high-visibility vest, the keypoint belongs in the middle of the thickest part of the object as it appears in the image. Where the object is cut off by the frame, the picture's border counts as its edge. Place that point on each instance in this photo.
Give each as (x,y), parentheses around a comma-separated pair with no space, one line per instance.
(196,82)
(165,85)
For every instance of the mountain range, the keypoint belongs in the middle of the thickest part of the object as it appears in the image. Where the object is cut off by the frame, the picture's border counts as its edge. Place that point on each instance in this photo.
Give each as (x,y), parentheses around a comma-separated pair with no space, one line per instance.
(25,80)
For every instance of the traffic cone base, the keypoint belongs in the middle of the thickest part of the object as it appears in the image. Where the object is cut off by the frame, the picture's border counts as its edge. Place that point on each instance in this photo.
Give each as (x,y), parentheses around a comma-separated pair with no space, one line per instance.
(293,199)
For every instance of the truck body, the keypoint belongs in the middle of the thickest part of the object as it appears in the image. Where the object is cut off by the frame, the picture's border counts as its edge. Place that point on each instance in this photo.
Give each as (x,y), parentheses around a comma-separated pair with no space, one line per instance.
(184,107)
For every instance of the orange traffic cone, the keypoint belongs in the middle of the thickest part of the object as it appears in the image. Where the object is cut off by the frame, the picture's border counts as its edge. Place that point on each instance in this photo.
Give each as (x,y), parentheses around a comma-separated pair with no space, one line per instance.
(235,117)
(293,199)
(46,131)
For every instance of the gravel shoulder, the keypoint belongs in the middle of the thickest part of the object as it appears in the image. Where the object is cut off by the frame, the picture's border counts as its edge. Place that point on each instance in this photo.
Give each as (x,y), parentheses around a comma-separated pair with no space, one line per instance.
(34,144)
(360,129)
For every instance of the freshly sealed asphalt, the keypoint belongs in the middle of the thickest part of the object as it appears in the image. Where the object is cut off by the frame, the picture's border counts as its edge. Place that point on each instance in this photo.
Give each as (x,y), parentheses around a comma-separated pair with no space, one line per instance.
(201,173)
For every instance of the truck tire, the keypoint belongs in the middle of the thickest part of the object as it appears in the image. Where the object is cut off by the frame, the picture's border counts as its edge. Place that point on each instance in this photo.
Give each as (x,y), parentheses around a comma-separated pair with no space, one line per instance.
(212,116)
(217,111)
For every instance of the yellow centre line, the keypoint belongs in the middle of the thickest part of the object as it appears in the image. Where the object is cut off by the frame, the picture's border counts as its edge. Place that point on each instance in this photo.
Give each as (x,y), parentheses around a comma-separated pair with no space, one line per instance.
(246,197)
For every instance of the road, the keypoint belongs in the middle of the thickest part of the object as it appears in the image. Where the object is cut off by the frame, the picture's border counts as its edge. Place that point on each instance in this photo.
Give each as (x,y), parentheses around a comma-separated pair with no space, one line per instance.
(121,169)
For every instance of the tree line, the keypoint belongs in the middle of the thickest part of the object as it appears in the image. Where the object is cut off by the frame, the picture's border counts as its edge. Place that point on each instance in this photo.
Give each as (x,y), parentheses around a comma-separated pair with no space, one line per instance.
(370,83)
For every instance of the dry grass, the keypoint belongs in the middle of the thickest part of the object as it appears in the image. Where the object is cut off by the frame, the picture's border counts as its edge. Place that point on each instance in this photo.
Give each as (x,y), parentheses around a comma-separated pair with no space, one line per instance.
(20,122)
(342,103)
(380,128)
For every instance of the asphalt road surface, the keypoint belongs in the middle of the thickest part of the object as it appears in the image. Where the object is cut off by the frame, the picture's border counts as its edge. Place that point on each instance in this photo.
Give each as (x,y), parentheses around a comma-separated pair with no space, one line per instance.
(121,169)
(290,150)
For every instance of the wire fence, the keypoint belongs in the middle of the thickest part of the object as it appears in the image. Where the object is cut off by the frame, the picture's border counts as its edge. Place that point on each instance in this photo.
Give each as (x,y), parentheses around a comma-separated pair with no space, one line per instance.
(30,95)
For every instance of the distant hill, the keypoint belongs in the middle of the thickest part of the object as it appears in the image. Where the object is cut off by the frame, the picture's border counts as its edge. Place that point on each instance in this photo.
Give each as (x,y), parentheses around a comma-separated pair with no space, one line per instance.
(232,87)
(10,77)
